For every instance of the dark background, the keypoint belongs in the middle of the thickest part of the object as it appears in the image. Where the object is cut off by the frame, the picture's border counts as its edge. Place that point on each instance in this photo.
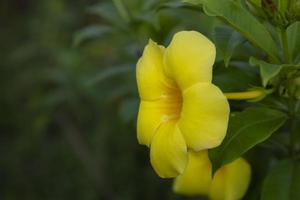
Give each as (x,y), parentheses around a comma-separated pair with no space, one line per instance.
(68,98)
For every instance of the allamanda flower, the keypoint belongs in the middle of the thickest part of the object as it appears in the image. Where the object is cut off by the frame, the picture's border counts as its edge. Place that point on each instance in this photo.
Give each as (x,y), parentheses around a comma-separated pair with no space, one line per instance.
(180,108)
(230,182)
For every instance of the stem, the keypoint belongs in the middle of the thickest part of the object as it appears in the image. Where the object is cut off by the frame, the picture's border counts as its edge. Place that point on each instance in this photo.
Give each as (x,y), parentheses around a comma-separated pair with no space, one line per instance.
(244,95)
(285,46)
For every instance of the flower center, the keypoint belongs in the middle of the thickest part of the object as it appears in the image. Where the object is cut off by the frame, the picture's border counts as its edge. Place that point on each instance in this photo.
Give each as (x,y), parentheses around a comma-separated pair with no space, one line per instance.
(172,100)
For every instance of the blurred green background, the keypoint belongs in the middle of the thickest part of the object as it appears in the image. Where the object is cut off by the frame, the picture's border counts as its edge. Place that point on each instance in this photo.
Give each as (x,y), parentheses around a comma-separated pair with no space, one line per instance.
(69,101)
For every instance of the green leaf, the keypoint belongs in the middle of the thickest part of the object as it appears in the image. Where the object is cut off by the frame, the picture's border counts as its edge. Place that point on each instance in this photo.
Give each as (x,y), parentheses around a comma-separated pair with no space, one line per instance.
(109,73)
(282,182)
(238,77)
(227,40)
(267,70)
(242,21)
(106,11)
(90,32)
(245,130)
(282,6)
(175,5)
(256,2)
(122,10)
(293,34)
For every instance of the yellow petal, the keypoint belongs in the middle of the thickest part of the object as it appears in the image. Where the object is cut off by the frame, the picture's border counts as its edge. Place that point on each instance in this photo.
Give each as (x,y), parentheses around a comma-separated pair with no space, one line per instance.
(231,181)
(150,116)
(204,116)
(149,72)
(168,152)
(189,58)
(196,178)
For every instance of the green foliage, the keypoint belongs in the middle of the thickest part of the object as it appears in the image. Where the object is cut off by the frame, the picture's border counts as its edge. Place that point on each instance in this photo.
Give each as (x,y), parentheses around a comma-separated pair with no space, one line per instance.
(238,77)
(256,2)
(243,21)
(282,182)
(267,70)
(227,40)
(293,32)
(108,73)
(90,32)
(245,130)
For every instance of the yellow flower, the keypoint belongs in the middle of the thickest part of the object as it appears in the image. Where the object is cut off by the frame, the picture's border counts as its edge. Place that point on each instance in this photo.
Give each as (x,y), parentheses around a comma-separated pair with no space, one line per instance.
(230,182)
(196,179)
(180,108)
